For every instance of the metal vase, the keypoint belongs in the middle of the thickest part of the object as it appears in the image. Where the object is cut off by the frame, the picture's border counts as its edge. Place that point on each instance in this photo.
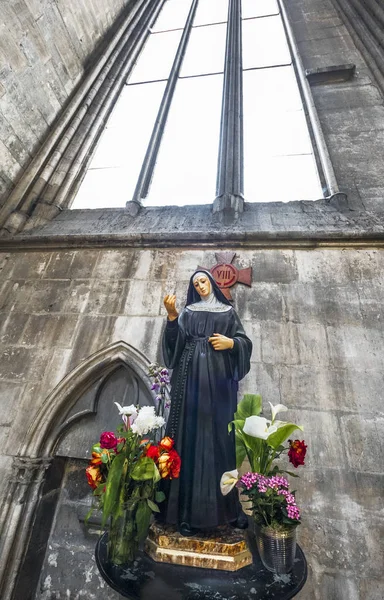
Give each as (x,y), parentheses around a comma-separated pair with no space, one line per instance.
(277,549)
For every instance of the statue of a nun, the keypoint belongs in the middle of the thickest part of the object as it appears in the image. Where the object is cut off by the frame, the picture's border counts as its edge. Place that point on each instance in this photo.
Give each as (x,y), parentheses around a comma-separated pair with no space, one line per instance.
(209,352)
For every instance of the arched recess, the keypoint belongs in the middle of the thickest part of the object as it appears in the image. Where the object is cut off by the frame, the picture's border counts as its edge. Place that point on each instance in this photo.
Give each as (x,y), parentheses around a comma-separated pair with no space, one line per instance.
(70,402)
(44,431)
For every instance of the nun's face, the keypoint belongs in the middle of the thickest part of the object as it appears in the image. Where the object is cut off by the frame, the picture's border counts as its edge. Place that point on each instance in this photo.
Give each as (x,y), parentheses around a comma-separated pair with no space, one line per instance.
(202,285)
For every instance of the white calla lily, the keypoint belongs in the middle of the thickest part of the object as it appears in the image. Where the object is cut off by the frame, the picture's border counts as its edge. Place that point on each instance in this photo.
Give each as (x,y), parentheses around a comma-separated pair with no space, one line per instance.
(276,409)
(228,481)
(126,410)
(258,427)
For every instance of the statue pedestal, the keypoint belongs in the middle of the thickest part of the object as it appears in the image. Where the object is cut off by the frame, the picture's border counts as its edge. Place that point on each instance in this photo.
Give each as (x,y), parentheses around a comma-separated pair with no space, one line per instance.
(145,579)
(223,549)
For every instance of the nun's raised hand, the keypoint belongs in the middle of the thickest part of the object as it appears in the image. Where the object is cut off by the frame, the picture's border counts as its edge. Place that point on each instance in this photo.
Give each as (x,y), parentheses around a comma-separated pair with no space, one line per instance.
(170,306)
(221,342)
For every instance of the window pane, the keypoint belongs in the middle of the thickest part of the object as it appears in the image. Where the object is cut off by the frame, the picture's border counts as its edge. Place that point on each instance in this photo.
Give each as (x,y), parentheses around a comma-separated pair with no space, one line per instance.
(281,179)
(273,89)
(275,134)
(258,8)
(211,11)
(206,51)
(264,43)
(156,60)
(269,128)
(121,149)
(173,15)
(187,164)
(102,188)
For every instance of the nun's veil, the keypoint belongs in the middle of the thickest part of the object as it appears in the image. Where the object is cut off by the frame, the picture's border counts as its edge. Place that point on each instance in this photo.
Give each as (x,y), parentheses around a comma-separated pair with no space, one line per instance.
(193,296)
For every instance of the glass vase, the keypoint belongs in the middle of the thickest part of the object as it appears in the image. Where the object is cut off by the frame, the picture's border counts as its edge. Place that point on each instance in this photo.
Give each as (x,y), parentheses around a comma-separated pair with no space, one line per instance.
(123,545)
(277,549)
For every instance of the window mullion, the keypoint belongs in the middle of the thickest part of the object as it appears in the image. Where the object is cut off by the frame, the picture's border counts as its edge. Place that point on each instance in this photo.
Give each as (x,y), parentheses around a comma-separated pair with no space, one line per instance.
(230,179)
(147,169)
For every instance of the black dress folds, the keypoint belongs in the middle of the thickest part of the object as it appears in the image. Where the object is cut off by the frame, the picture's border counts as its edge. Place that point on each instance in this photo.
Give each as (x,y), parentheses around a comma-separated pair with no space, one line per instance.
(204,398)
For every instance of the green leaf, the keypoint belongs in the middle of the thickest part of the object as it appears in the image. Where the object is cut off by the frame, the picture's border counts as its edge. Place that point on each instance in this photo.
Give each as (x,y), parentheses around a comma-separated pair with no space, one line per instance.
(96,448)
(113,486)
(282,434)
(99,490)
(119,446)
(89,513)
(104,457)
(238,424)
(250,405)
(156,475)
(144,469)
(143,518)
(290,473)
(241,451)
(160,496)
(153,506)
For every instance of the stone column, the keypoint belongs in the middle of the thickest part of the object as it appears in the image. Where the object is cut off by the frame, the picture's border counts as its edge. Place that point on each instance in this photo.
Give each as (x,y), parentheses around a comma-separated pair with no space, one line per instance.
(17,514)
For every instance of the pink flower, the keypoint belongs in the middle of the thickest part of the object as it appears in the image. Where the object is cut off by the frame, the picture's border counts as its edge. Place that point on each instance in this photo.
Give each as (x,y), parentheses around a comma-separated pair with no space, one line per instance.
(108,440)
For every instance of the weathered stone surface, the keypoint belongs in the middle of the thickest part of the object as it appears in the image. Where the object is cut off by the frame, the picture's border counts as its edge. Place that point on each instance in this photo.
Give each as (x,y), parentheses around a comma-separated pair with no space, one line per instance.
(315,316)
(317,333)
(48,43)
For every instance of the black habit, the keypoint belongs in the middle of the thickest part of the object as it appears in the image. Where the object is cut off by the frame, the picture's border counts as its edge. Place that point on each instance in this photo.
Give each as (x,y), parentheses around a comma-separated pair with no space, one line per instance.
(203,401)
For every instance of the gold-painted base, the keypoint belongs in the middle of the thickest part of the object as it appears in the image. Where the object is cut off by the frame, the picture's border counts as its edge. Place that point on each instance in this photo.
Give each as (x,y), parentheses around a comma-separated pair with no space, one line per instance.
(222,548)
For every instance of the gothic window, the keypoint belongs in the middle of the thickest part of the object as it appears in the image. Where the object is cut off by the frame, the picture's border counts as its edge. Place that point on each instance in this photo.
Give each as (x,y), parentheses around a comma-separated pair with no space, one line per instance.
(211,108)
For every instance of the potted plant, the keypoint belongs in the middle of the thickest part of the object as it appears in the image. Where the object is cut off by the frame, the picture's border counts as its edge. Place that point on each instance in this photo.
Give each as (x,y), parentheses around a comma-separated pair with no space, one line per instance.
(273,506)
(124,472)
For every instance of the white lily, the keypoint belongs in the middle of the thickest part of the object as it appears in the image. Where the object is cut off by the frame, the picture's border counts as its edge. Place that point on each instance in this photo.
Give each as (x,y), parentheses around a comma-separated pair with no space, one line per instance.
(128,414)
(127,410)
(276,409)
(228,481)
(258,427)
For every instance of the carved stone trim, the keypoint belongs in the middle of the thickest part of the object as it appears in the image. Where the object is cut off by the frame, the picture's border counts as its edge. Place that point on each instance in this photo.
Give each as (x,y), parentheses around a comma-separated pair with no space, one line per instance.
(41,436)
(23,493)
(53,176)
(17,514)
(364,22)
(230,173)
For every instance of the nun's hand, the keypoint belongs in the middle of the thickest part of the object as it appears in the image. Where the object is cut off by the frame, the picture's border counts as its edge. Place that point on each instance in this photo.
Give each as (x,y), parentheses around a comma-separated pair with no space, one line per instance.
(170,306)
(221,342)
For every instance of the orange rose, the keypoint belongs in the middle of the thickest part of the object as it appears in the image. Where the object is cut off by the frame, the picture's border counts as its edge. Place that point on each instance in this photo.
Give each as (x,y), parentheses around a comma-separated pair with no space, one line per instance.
(166,443)
(94,476)
(169,465)
(96,458)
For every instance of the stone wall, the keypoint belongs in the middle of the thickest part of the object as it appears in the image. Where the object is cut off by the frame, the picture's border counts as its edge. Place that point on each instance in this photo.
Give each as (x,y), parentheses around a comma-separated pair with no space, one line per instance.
(45,47)
(316,321)
(351,112)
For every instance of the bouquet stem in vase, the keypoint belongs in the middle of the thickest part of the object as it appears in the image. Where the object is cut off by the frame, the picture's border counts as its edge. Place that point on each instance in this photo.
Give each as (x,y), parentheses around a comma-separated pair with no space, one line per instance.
(123,544)
(277,548)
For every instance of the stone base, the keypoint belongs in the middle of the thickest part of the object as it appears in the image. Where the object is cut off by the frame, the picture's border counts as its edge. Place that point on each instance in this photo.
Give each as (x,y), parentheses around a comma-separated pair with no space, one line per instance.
(223,548)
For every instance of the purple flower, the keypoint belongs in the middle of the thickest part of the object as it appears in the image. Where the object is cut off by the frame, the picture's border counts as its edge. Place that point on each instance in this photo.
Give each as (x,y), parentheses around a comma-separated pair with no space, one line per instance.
(155,387)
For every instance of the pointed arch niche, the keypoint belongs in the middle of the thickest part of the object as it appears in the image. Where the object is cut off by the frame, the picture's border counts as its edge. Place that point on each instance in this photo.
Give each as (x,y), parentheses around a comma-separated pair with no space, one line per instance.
(48,495)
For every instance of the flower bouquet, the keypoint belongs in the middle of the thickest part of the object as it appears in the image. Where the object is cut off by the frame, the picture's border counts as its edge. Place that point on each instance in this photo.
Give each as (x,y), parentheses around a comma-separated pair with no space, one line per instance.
(124,472)
(273,505)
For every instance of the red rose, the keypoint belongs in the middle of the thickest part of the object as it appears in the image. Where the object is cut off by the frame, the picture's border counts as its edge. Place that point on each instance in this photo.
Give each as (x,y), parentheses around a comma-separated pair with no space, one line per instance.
(108,440)
(297,451)
(94,476)
(166,443)
(153,452)
(169,465)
